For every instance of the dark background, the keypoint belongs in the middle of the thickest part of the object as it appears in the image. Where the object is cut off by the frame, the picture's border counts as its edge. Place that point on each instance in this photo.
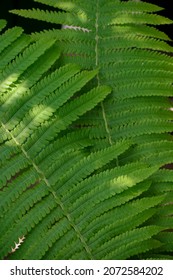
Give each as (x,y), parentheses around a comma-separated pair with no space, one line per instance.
(34,25)
(14,20)
(167,12)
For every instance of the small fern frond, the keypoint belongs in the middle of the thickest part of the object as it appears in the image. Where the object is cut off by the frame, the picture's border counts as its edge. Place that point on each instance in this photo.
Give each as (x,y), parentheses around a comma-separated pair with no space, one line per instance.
(49,16)
(12,72)
(167,239)
(9,37)
(10,53)
(3,23)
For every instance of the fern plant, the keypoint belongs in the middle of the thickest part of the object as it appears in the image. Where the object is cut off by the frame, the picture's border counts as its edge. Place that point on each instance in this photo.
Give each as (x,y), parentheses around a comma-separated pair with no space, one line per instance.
(133,58)
(95,188)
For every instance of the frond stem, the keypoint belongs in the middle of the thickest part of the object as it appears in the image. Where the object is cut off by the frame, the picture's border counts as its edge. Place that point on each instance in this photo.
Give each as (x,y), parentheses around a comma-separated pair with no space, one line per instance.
(57,199)
(98,79)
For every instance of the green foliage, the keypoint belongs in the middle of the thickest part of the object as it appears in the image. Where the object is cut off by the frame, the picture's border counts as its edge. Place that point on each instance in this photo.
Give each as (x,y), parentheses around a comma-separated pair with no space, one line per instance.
(85,134)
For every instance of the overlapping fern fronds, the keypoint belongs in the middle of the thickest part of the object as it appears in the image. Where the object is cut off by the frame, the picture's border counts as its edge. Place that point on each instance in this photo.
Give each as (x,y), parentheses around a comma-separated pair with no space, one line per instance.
(133,57)
(48,180)
(98,189)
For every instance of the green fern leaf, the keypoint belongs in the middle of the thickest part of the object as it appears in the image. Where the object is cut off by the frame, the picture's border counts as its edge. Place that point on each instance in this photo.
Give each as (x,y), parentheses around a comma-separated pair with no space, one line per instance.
(129,54)
(82,163)
(2,24)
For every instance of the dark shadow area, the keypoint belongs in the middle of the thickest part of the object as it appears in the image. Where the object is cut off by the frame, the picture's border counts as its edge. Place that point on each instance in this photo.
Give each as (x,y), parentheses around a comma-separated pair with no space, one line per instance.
(29,25)
(167,12)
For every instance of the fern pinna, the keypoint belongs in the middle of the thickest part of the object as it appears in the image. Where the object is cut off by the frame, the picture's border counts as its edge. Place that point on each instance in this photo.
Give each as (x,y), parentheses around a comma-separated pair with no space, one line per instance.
(98,189)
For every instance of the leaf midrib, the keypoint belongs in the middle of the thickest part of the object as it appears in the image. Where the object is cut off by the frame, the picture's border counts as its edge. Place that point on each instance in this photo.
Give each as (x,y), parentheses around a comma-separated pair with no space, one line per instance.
(105,120)
(57,199)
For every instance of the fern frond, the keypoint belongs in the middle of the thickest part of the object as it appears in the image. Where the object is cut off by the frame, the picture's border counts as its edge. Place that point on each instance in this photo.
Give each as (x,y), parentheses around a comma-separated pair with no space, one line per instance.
(10,53)
(49,16)
(93,154)
(31,132)
(156,152)
(12,72)
(163,175)
(9,37)
(49,237)
(167,239)
(3,23)
(122,41)
(131,244)
(131,17)
(136,30)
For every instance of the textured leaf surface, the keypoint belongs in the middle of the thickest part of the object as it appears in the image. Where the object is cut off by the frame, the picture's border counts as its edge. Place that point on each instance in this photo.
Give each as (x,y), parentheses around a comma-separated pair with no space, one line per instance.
(82,163)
